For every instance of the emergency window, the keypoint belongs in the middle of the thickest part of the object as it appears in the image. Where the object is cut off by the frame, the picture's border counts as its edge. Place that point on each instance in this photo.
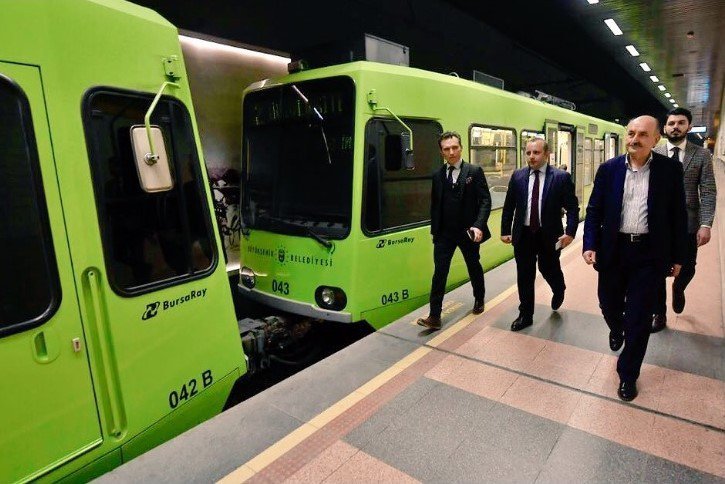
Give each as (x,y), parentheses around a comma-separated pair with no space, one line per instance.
(150,238)
(396,198)
(29,286)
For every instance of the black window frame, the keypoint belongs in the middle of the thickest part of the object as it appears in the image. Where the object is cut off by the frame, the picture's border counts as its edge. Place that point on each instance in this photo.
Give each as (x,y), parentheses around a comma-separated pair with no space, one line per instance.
(51,263)
(206,210)
(363,203)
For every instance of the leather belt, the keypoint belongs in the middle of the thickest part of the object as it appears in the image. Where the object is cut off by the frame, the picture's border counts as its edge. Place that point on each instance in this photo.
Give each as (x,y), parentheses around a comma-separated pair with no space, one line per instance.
(634,238)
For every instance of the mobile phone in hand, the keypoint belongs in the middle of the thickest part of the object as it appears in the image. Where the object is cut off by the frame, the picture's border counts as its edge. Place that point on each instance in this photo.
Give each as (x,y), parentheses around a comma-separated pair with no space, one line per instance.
(471,234)
(557,246)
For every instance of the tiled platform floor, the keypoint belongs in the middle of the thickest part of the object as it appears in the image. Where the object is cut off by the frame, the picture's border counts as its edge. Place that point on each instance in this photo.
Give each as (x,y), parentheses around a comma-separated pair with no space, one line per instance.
(478,403)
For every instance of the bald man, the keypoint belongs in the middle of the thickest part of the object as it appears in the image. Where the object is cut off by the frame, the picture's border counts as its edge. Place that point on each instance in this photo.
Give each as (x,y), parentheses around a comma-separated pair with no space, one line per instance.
(635,232)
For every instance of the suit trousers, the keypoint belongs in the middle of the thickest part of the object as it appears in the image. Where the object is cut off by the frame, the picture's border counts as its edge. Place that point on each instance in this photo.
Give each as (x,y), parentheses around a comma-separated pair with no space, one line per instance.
(627,293)
(444,246)
(686,274)
(530,247)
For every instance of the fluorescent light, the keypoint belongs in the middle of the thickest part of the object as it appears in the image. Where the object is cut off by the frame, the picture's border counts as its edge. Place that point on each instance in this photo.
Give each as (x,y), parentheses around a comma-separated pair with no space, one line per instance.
(613,26)
(630,48)
(592,2)
(661,87)
(667,94)
(654,78)
(676,105)
(672,101)
(645,67)
(698,129)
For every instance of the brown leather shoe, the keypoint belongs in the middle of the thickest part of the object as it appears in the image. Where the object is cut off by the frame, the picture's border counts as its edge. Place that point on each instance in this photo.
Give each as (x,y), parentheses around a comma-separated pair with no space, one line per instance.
(431,322)
(659,321)
(478,306)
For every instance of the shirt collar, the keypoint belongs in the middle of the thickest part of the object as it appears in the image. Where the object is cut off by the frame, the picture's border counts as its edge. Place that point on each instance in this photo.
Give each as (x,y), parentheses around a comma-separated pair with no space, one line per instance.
(646,163)
(681,146)
(456,166)
(541,170)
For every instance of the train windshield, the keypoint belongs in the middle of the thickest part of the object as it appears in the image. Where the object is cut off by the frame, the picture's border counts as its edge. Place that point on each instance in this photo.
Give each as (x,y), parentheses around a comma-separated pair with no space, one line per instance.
(297,158)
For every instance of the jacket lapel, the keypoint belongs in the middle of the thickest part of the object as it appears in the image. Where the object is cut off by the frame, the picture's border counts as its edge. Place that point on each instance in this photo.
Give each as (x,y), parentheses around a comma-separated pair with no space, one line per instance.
(548,180)
(463,175)
(689,154)
(620,171)
(654,176)
(524,187)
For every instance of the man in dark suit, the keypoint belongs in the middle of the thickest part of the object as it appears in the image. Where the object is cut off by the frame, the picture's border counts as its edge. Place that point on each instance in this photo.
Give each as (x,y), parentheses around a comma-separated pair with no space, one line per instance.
(700,194)
(459,209)
(534,200)
(634,234)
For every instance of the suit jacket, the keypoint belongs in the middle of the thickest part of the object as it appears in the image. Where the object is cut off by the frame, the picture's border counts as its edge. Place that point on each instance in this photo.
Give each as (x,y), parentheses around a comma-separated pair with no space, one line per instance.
(476,199)
(700,191)
(666,213)
(558,193)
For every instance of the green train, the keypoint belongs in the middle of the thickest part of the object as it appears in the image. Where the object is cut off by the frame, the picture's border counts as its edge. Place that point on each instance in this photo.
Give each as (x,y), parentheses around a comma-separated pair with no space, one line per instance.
(336,171)
(117,326)
(117,329)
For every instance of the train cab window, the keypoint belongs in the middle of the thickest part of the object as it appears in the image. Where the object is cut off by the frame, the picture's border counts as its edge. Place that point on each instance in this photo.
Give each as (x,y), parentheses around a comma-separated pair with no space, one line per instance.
(393,197)
(494,150)
(29,286)
(149,239)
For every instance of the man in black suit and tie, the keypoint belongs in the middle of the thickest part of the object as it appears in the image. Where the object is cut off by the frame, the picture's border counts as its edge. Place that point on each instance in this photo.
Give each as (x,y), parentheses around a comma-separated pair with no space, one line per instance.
(700,196)
(534,200)
(635,233)
(459,209)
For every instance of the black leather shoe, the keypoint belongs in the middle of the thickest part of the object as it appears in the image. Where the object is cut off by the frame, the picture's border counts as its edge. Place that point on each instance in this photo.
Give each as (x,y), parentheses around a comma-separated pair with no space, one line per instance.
(521,323)
(627,390)
(477,306)
(678,300)
(659,321)
(431,322)
(616,340)
(556,300)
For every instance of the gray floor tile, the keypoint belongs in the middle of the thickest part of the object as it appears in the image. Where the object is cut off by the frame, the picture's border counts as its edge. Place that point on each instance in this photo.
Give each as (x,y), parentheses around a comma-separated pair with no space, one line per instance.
(211,450)
(391,413)
(431,431)
(512,446)
(582,457)
(665,471)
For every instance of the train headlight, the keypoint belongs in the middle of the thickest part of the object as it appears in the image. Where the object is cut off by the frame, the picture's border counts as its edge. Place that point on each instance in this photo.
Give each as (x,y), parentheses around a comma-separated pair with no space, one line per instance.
(330,298)
(248,278)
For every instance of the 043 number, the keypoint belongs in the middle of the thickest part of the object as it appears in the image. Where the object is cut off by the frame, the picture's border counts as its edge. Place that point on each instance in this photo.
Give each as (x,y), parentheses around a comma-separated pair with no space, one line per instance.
(280,287)
(395,296)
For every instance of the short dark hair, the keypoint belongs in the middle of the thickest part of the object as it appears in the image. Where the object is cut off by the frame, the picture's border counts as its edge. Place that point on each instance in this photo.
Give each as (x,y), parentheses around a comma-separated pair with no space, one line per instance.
(680,112)
(535,139)
(448,135)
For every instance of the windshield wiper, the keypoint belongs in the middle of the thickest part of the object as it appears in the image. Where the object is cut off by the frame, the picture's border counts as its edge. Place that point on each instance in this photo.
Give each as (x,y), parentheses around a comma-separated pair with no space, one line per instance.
(300,229)
(319,116)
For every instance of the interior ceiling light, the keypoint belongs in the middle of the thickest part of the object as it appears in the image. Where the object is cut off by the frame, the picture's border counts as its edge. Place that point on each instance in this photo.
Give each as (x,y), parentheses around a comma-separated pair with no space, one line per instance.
(592,2)
(613,26)
(654,78)
(630,48)
(667,94)
(672,101)
(661,87)
(676,105)
(645,67)
(698,129)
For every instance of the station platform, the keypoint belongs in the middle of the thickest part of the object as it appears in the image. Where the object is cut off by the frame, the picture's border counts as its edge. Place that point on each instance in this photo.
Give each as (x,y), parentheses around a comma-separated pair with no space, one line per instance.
(476,402)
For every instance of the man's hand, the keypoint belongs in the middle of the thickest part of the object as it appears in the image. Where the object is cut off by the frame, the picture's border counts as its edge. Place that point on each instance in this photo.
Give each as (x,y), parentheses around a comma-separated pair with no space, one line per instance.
(506,239)
(675,270)
(565,240)
(477,234)
(590,256)
(703,236)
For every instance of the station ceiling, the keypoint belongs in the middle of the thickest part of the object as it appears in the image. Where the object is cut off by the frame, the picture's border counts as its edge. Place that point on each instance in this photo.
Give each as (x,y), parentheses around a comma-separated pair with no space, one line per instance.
(561,47)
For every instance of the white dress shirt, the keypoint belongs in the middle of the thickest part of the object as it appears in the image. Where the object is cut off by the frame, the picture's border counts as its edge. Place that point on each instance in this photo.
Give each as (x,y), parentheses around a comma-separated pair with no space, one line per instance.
(634,199)
(456,170)
(542,178)
(681,146)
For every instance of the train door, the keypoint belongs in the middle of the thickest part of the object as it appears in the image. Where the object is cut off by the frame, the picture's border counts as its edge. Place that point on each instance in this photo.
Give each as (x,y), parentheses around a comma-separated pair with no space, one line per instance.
(578,171)
(611,146)
(551,128)
(47,407)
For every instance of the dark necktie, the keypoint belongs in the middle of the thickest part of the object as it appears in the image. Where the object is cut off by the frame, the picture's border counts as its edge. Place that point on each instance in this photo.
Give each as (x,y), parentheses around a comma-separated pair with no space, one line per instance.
(676,153)
(534,223)
(450,174)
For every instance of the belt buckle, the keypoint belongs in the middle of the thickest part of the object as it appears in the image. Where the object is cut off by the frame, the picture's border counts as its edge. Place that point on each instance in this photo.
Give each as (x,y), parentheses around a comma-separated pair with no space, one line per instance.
(635,237)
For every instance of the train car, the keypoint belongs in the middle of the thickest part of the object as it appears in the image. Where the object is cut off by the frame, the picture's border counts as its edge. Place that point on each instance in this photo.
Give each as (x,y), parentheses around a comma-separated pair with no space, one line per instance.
(117,327)
(335,207)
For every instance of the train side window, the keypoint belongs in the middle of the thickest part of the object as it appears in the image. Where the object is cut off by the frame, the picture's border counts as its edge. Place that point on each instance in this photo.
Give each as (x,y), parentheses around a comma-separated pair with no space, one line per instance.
(150,239)
(588,161)
(394,198)
(29,285)
(494,150)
